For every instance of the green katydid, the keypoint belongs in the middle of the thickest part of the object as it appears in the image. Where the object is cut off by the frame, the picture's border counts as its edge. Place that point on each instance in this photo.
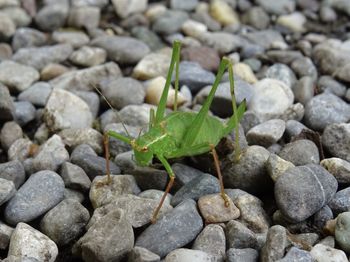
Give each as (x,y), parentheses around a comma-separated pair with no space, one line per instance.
(181,134)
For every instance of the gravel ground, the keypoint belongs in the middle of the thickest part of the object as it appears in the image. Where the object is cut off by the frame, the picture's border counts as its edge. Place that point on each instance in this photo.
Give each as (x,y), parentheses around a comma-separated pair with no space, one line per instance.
(289,193)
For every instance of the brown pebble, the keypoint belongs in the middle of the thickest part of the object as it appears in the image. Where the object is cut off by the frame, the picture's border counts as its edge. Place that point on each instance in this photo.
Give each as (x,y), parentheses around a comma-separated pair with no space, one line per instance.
(208,58)
(51,71)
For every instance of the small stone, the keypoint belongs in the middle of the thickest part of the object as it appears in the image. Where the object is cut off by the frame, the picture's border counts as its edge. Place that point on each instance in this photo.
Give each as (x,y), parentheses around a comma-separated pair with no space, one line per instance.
(5,235)
(294,128)
(20,149)
(339,168)
(140,254)
(206,57)
(197,187)
(283,73)
(336,139)
(39,57)
(340,201)
(296,254)
(184,254)
(36,94)
(249,173)
(84,17)
(239,236)
(122,49)
(24,112)
(147,36)
(304,90)
(326,109)
(52,71)
(212,241)
(257,17)
(7,27)
(52,16)
(10,132)
(282,7)
(267,133)
(16,76)
(322,253)
(276,242)
(267,39)
(28,37)
(244,72)
(193,29)
(103,194)
(214,209)
(65,222)
(322,216)
(186,5)
(74,177)
(41,192)
(66,110)
(276,166)
(13,171)
(153,65)
(125,8)
(156,195)
(304,66)
(136,115)
(184,174)
(294,22)
(271,98)
(328,241)
(342,231)
(91,98)
(242,255)
(75,38)
(7,190)
(175,229)
(221,41)
(223,13)
(329,84)
(5,51)
(72,137)
(300,152)
(88,56)
(18,15)
(41,134)
(7,106)
(169,22)
(75,195)
(105,233)
(310,185)
(41,247)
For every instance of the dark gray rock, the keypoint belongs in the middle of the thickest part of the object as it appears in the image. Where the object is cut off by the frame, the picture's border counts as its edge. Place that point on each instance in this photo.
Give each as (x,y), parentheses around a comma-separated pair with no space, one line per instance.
(325,109)
(175,229)
(52,16)
(296,254)
(39,57)
(65,222)
(239,236)
(7,106)
(122,49)
(10,132)
(169,22)
(301,191)
(267,133)
(249,173)
(24,112)
(339,168)
(304,89)
(321,217)
(242,255)
(37,94)
(336,139)
(283,73)
(28,37)
(202,185)
(340,202)
(87,17)
(184,174)
(74,177)
(13,171)
(42,191)
(103,241)
(5,235)
(276,242)
(300,152)
(277,8)
(7,190)
(140,254)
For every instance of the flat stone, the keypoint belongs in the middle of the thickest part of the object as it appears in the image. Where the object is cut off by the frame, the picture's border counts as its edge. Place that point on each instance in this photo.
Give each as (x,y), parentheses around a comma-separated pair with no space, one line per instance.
(24,75)
(294,22)
(37,94)
(256,17)
(5,235)
(41,192)
(213,209)
(88,56)
(52,16)
(65,222)
(175,229)
(28,37)
(276,242)
(339,168)
(84,17)
(126,8)
(13,171)
(140,254)
(310,185)
(336,139)
(183,5)
(239,236)
(169,22)
(242,254)
(329,84)
(184,254)
(296,254)
(52,71)
(340,201)
(283,73)
(324,253)
(74,177)
(10,132)
(41,248)
(75,38)
(267,39)
(267,133)
(282,7)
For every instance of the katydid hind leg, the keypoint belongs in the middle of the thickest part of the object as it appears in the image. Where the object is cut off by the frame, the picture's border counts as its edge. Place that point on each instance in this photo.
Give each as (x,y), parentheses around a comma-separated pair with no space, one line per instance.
(167,190)
(108,180)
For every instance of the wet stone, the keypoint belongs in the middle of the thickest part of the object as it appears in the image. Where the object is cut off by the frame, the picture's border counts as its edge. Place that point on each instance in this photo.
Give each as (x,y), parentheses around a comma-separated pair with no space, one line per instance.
(242,255)
(267,133)
(10,132)
(24,112)
(239,236)
(42,191)
(336,139)
(13,171)
(175,229)
(140,254)
(340,201)
(339,168)
(74,177)
(214,210)
(300,152)
(197,187)
(310,185)
(212,241)
(65,222)
(37,94)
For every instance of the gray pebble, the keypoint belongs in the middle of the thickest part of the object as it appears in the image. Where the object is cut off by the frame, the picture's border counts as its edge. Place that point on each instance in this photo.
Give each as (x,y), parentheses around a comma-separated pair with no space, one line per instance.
(303,66)
(88,56)
(183,4)
(185,254)
(329,84)
(84,17)
(276,242)
(75,38)
(266,38)
(294,128)
(326,109)
(222,42)
(342,231)
(95,246)
(156,195)
(336,139)
(41,247)
(169,22)
(7,106)
(283,73)
(122,49)
(136,115)
(10,132)
(339,168)
(126,9)
(52,16)
(5,235)
(257,17)
(20,149)
(184,174)
(249,173)
(175,229)
(284,56)
(28,37)
(277,8)
(340,202)
(98,3)
(140,254)
(239,236)
(65,222)
(74,177)
(320,251)
(37,94)
(304,89)
(302,191)
(7,190)
(7,27)
(74,195)
(202,185)
(42,191)
(300,152)
(39,57)
(242,255)
(24,112)
(13,171)
(321,217)
(296,254)
(267,133)
(148,37)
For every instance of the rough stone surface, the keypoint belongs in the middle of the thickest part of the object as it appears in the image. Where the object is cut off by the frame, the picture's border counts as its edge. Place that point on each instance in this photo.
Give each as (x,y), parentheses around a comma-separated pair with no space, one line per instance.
(276,242)
(239,236)
(7,190)
(324,253)
(339,168)
(336,139)
(267,133)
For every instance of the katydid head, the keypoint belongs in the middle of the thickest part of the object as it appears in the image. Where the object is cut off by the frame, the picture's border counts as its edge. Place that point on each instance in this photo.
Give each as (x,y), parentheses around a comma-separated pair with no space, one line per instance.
(142,153)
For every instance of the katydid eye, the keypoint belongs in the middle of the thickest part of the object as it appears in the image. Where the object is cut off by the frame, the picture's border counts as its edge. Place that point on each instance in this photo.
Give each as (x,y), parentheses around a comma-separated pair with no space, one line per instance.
(144,149)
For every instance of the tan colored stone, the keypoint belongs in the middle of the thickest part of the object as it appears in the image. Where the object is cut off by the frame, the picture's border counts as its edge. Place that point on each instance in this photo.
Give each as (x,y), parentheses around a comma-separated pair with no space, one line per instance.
(223,13)
(52,71)
(245,72)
